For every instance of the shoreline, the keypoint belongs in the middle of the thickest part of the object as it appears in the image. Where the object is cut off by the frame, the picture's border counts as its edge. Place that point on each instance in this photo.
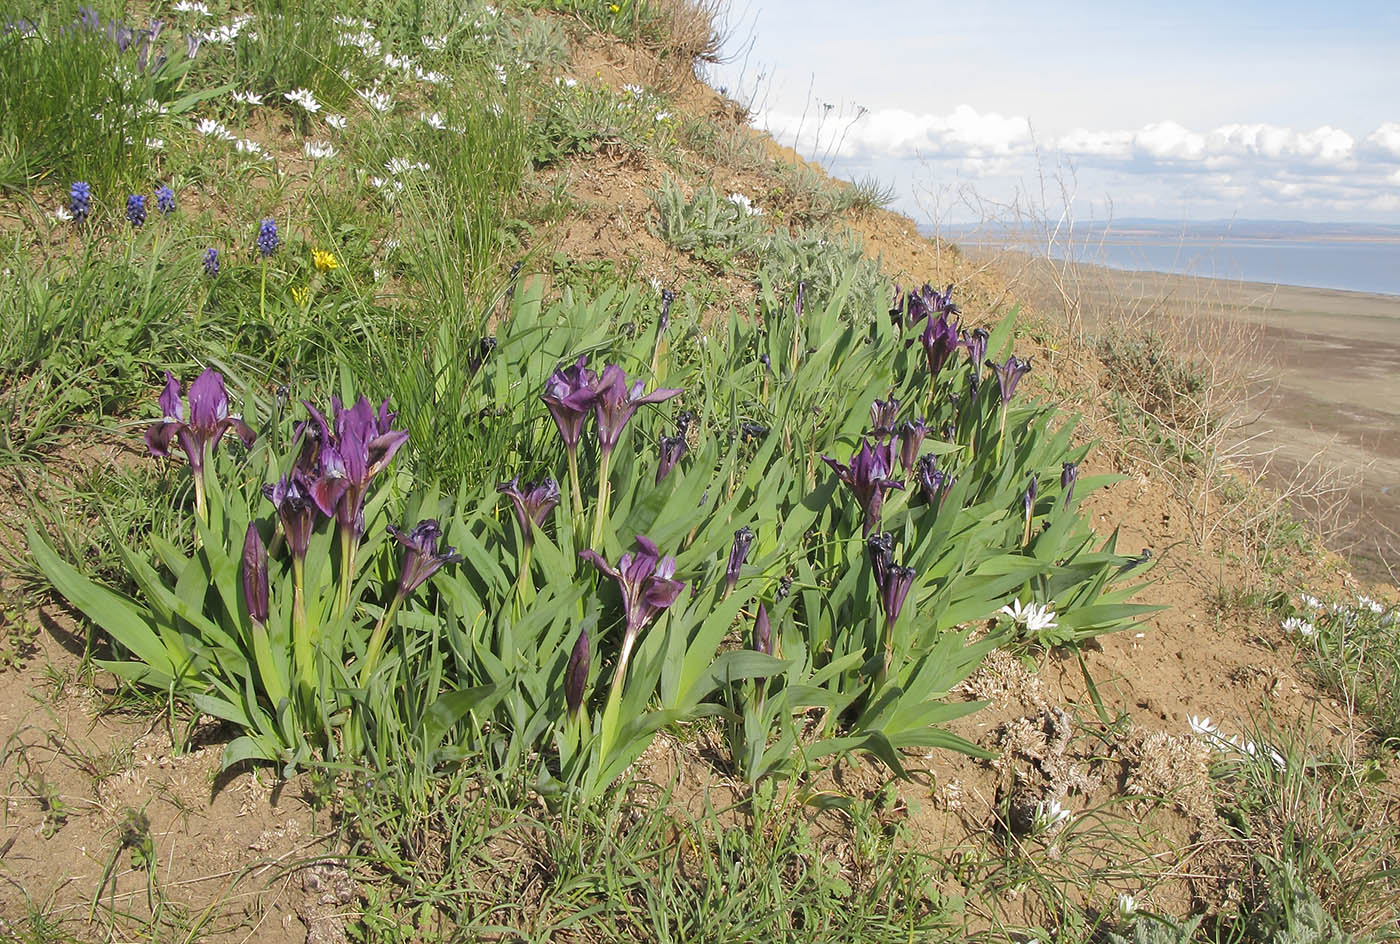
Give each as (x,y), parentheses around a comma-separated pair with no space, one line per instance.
(1332,404)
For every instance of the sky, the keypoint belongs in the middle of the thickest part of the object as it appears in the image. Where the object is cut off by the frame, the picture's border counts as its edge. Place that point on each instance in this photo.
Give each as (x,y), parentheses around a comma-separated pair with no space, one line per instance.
(1181,111)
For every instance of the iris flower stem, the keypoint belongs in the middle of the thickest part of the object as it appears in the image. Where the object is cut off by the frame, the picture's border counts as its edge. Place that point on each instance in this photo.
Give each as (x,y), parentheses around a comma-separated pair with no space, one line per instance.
(1001,439)
(610,711)
(600,513)
(348,547)
(887,644)
(574,492)
(201,506)
(301,637)
(376,639)
(525,584)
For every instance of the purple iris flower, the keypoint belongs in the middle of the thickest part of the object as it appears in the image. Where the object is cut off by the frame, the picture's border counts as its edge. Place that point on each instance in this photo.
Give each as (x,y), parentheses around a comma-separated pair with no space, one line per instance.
(976,343)
(615,403)
(927,302)
(291,496)
(267,237)
(898,581)
(884,415)
(208,419)
(532,504)
(255,575)
(939,341)
(569,393)
(421,557)
(80,200)
(801,299)
(891,580)
(762,632)
(1009,375)
(576,674)
(360,447)
(911,439)
(933,484)
(211,262)
(667,297)
(165,200)
(136,210)
(868,477)
(192,43)
(671,450)
(1069,474)
(1028,500)
(738,553)
(484,349)
(648,585)
(897,308)
(879,548)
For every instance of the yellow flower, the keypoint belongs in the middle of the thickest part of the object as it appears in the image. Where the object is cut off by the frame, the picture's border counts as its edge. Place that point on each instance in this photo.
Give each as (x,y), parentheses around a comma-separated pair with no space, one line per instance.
(324,261)
(614,8)
(300,295)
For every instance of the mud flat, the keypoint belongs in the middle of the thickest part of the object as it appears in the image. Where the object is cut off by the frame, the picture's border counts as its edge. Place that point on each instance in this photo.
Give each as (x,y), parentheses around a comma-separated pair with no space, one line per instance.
(1330,406)
(1334,401)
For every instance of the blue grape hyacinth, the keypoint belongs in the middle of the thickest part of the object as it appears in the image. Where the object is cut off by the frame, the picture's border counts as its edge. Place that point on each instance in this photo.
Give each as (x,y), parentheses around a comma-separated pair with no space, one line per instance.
(136,209)
(211,262)
(165,200)
(267,237)
(80,200)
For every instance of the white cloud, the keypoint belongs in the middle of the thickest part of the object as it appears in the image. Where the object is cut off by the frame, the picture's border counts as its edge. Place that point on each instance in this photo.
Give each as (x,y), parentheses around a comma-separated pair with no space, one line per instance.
(897,133)
(1169,141)
(1385,141)
(1117,145)
(1324,147)
(1232,165)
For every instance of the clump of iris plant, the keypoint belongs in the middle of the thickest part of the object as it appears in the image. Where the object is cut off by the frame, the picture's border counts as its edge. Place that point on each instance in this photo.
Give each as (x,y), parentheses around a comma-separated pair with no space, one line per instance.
(196,422)
(893,583)
(1028,500)
(663,321)
(975,341)
(648,585)
(165,200)
(868,477)
(884,416)
(296,510)
(80,201)
(1069,474)
(576,674)
(911,439)
(762,642)
(341,456)
(532,506)
(1009,376)
(939,340)
(422,557)
(569,393)
(136,210)
(933,483)
(738,553)
(615,402)
(256,597)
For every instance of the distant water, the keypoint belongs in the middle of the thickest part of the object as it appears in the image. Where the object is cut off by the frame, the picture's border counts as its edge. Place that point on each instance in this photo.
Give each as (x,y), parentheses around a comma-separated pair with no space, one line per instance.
(1353,265)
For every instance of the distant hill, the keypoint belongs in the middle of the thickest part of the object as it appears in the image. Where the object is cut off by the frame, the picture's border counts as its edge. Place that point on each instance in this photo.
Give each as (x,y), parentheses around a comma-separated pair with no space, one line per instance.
(1194,229)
